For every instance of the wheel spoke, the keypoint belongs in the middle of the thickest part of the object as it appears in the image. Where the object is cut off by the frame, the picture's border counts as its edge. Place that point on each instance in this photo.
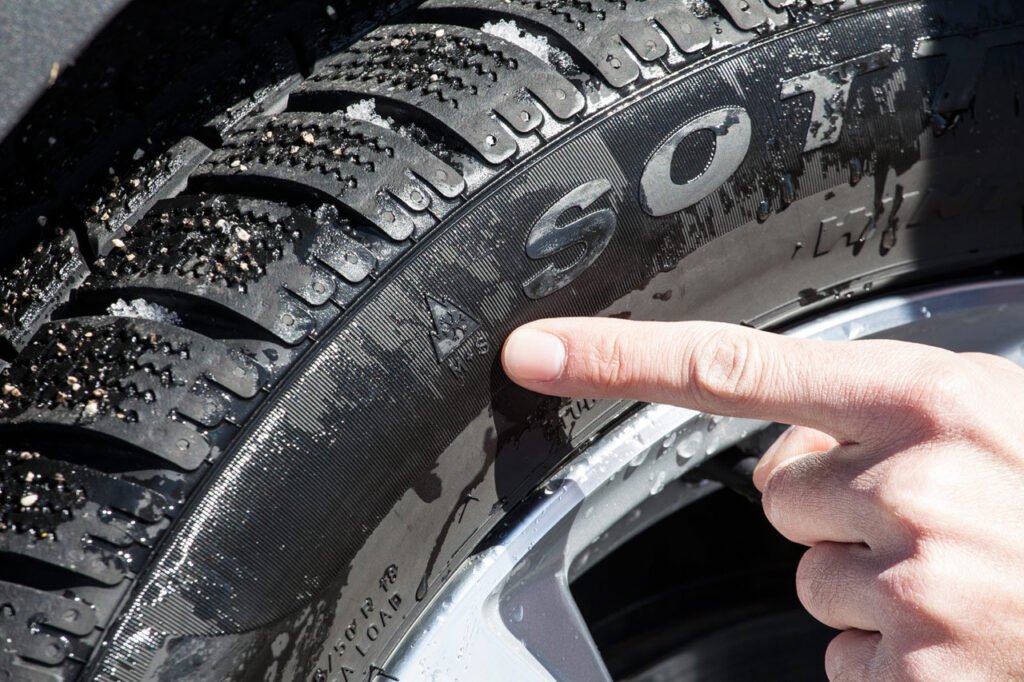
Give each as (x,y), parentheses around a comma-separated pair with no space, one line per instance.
(540,611)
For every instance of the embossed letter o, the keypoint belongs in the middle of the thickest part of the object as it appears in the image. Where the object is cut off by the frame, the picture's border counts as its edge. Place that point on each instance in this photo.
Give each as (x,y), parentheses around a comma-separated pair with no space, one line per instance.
(661,196)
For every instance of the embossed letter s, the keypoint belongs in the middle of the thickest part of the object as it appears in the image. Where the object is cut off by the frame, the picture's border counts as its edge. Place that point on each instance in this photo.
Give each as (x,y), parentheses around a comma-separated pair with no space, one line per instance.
(661,196)
(547,238)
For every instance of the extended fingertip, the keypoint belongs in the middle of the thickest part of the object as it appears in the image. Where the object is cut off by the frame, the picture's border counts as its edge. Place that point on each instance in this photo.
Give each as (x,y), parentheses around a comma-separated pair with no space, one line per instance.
(533,356)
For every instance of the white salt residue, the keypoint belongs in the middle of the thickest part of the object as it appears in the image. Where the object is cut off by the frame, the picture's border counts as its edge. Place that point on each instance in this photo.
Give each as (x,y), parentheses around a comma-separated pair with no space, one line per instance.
(534,44)
(366,110)
(141,308)
(508,30)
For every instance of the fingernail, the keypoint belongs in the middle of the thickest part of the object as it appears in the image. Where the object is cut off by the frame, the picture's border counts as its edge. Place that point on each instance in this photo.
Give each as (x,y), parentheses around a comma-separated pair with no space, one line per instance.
(532,355)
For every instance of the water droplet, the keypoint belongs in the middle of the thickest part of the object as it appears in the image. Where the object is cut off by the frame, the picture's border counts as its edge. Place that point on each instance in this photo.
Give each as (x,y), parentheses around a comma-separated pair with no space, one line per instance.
(788,189)
(856,172)
(889,238)
(421,589)
(689,446)
(659,483)
(517,613)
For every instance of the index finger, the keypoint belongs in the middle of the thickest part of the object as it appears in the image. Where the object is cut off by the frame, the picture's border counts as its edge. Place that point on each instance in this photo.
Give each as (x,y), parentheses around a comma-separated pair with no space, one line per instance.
(846,389)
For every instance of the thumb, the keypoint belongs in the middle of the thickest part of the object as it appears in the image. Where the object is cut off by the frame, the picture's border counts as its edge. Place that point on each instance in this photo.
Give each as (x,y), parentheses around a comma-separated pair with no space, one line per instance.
(795,443)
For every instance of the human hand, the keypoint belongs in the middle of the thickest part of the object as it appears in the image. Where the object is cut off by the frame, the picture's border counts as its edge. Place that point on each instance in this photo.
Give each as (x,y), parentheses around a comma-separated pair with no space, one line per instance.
(904,475)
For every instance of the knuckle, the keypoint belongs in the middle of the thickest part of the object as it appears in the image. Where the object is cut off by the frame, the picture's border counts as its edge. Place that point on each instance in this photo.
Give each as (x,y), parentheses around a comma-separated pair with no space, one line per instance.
(923,664)
(915,493)
(889,493)
(941,393)
(606,361)
(724,367)
(996,362)
(817,586)
(908,585)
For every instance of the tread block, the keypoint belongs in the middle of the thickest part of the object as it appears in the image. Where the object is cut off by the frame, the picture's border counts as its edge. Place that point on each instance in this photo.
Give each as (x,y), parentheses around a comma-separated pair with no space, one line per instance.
(345,256)
(36,606)
(40,648)
(612,36)
(687,31)
(244,254)
(371,169)
(131,197)
(36,285)
(23,610)
(74,518)
(748,15)
(120,378)
(459,76)
(103,489)
(23,671)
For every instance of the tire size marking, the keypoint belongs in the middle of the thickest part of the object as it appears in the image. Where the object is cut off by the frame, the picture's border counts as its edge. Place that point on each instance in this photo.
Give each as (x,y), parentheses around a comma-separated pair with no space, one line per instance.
(860,225)
(573,412)
(374,617)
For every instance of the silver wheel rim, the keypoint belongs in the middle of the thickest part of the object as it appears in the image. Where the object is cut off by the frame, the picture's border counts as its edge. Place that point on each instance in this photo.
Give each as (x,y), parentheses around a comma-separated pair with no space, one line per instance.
(507,613)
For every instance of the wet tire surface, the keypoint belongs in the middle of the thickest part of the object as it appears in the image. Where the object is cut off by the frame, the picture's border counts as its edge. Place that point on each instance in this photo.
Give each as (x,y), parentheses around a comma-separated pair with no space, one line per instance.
(251,407)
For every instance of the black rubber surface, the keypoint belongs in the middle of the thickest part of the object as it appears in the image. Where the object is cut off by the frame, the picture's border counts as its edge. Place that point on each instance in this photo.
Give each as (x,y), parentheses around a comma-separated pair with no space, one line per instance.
(37,41)
(261,354)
